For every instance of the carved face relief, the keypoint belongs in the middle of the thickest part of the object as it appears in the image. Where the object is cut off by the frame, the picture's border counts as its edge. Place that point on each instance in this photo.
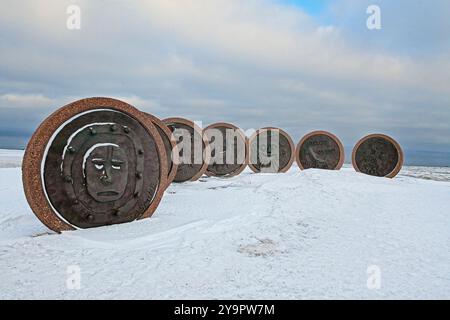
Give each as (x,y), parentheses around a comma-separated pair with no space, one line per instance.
(106,171)
(102,167)
(278,151)
(227,150)
(320,151)
(186,138)
(377,156)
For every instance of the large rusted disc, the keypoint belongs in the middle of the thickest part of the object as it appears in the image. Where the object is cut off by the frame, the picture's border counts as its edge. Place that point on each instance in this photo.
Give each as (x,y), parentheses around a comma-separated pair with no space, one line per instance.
(377,155)
(170,145)
(234,141)
(260,143)
(321,150)
(189,169)
(94,162)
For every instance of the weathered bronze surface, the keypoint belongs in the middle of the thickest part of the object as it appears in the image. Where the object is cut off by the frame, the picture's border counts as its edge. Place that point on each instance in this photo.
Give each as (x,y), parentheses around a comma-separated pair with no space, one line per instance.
(94,164)
(218,165)
(285,150)
(100,181)
(192,170)
(321,150)
(377,155)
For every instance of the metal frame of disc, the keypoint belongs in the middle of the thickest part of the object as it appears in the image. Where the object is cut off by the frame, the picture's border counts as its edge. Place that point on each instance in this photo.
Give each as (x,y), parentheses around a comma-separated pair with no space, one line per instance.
(36,149)
(328,134)
(160,124)
(206,152)
(399,164)
(282,132)
(241,133)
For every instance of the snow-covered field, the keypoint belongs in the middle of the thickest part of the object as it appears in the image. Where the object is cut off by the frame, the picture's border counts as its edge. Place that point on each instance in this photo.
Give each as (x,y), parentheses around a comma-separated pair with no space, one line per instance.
(299,235)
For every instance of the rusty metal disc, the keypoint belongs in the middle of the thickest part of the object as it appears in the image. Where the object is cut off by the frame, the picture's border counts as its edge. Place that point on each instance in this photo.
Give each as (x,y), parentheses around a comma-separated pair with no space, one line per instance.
(261,144)
(321,150)
(377,155)
(193,168)
(233,139)
(170,145)
(94,162)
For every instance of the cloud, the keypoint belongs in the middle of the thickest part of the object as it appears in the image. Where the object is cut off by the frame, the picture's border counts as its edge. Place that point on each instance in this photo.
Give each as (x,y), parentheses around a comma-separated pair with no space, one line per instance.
(18,101)
(254,63)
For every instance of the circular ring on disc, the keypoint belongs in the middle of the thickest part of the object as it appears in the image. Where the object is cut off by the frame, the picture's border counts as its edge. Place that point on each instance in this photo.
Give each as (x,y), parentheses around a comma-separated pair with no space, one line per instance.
(320,150)
(285,146)
(170,145)
(94,162)
(377,155)
(221,168)
(190,169)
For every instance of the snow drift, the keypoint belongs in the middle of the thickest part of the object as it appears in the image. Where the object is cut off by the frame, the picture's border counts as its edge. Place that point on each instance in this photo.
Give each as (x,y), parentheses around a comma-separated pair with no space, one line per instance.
(310,234)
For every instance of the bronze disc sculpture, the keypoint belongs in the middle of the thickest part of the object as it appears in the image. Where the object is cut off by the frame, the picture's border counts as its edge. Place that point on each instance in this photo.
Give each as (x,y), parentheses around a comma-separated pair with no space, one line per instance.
(270,150)
(94,162)
(193,149)
(229,155)
(170,145)
(321,150)
(377,155)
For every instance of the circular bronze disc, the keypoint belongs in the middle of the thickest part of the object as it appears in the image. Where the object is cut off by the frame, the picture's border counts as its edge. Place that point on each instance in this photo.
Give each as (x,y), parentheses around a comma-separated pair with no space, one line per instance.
(377,155)
(189,171)
(286,150)
(321,150)
(170,145)
(94,162)
(224,169)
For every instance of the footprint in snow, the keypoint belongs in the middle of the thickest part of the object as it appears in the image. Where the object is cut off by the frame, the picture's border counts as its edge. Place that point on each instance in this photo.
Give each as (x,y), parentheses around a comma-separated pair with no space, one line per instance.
(263,248)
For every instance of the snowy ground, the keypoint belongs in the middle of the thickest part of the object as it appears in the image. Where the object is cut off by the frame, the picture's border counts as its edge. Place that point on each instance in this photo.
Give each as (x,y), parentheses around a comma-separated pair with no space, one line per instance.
(298,235)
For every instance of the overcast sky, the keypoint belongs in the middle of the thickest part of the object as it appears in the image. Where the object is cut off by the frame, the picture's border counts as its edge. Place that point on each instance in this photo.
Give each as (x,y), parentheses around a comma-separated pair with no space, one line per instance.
(299,65)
